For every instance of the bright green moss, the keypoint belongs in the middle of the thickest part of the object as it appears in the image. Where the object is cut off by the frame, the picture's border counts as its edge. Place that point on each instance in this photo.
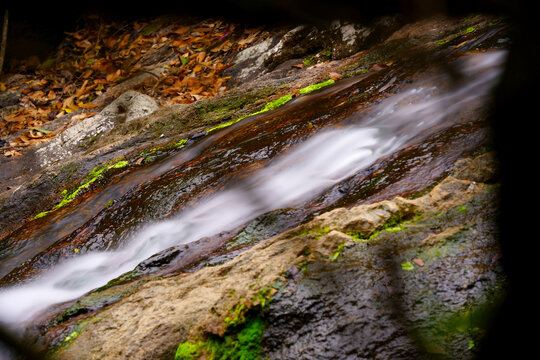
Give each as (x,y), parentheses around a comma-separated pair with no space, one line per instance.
(176,145)
(318,86)
(276,103)
(94,175)
(71,336)
(236,315)
(188,351)
(407,266)
(318,232)
(263,297)
(244,344)
(337,252)
(309,61)
(272,105)
(469,30)
(229,123)
(269,106)
(393,224)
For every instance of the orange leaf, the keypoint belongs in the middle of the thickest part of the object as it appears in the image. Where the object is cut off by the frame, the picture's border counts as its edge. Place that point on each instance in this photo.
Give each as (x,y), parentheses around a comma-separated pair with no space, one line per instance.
(81,90)
(85,44)
(22,140)
(123,42)
(87,73)
(37,95)
(87,106)
(69,103)
(224,46)
(83,116)
(109,42)
(201,56)
(251,37)
(113,76)
(10,153)
(335,76)
(182,30)
(15,118)
(418,261)
(35,134)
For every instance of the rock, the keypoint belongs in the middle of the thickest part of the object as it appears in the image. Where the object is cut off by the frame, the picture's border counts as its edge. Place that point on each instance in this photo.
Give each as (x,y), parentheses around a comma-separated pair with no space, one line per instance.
(480,169)
(249,62)
(343,302)
(9,98)
(332,41)
(128,107)
(360,307)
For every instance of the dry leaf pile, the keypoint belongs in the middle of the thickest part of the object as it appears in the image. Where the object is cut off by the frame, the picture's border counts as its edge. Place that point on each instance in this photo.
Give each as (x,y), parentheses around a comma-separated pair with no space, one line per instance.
(101,55)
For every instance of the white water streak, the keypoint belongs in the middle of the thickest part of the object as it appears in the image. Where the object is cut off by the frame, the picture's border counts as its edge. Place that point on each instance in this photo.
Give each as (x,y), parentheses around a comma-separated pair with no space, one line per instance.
(295,177)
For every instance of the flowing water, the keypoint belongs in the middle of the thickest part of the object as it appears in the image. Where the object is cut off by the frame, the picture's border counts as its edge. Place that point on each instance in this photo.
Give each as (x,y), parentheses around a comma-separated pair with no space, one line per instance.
(275,177)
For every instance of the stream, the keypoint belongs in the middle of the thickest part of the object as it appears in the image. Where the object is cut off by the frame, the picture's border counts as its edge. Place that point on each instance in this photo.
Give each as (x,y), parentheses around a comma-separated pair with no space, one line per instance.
(288,158)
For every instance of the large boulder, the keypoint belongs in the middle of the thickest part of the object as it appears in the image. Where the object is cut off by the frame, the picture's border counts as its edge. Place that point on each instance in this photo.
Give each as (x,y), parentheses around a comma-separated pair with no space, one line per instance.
(75,138)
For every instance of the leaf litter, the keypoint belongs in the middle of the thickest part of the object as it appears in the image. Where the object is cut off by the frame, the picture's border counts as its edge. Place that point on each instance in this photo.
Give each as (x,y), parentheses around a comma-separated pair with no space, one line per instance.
(102,54)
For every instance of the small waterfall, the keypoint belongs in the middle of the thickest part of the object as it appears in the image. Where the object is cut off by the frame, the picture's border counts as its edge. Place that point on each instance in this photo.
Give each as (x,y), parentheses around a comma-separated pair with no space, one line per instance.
(289,180)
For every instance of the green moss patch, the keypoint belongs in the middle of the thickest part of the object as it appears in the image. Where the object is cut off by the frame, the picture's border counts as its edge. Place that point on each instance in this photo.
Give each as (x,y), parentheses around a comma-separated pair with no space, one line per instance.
(269,106)
(95,174)
(242,336)
(243,344)
(317,232)
(274,104)
(336,253)
(396,223)
(152,154)
(314,87)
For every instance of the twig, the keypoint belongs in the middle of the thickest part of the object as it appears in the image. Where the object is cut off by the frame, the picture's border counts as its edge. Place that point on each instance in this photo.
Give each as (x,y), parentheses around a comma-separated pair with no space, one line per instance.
(4,40)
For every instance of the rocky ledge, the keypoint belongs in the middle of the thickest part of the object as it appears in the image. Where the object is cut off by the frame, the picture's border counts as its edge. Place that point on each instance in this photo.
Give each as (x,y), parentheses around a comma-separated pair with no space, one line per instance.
(394,279)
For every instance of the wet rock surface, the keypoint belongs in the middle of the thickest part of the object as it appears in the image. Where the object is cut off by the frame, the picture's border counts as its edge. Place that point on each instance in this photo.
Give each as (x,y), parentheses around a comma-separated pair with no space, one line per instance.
(378,290)
(364,305)
(24,183)
(356,273)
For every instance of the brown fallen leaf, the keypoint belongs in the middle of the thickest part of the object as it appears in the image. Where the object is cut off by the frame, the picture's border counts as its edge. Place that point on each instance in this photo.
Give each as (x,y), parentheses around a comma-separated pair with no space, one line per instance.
(11,153)
(113,76)
(37,95)
(418,261)
(81,90)
(69,103)
(83,116)
(34,134)
(87,106)
(201,56)
(334,76)
(87,73)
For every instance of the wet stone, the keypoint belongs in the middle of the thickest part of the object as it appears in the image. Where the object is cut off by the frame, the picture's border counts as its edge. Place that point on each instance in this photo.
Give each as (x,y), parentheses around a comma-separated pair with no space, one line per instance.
(365,305)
